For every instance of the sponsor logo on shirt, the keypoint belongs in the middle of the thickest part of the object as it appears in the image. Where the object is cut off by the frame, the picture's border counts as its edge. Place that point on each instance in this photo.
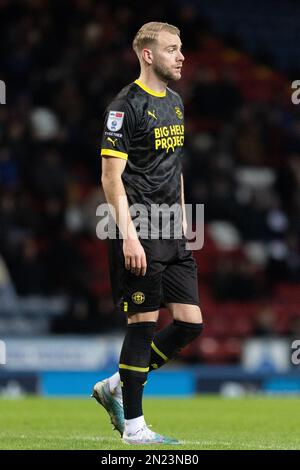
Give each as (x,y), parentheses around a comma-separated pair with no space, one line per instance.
(169,137)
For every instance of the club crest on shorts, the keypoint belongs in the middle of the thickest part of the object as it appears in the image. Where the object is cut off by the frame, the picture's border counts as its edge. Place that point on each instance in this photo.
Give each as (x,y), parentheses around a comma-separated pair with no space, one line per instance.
(138,298)
(115,120)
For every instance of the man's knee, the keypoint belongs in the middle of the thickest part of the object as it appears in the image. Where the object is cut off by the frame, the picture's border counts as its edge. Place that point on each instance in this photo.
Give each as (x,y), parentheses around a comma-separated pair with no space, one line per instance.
(188,331)
(186,313)
(143,317)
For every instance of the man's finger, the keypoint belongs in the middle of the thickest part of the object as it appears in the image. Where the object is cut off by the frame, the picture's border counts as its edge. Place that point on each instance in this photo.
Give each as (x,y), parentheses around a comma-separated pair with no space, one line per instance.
(127,263)
(143,266)
(132,264)
(138,264)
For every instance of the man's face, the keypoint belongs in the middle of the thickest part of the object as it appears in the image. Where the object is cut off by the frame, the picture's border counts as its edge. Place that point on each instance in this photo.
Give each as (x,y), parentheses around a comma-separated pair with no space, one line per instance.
(167,56)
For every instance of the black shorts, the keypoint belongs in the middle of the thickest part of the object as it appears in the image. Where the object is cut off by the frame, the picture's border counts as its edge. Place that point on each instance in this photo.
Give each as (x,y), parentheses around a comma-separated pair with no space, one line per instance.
(171,276)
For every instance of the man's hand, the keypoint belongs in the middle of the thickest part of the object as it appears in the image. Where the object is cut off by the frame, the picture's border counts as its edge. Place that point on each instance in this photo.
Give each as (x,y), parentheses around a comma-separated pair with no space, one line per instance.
(135,257)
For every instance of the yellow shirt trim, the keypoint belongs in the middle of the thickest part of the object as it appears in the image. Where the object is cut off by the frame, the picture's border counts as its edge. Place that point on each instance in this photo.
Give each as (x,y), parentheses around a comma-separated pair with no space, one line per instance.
(114,153)
(158,94)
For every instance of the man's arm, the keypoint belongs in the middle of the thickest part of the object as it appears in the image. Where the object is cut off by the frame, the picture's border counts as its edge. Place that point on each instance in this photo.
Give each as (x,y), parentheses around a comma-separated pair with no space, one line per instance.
(134,254)
(184,221)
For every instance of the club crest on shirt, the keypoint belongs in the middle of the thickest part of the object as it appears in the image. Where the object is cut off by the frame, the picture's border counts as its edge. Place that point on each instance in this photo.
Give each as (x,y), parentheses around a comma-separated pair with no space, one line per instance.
(138,297)
(178,112)
(115,120)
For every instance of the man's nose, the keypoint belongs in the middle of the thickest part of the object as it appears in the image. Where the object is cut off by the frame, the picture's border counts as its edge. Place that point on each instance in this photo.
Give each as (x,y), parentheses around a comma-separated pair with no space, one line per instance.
(181,56)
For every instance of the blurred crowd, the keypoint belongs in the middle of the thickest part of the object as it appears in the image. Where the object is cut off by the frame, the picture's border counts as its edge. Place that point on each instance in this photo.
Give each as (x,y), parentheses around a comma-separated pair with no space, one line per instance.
(63,61)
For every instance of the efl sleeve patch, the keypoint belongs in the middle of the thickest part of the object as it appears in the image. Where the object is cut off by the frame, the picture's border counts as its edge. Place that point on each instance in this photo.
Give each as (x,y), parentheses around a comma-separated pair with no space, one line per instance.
(115,120)
(119,129)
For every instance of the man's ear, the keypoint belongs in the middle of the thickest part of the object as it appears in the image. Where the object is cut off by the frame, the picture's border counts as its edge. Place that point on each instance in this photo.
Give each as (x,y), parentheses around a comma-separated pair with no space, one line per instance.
(147,56)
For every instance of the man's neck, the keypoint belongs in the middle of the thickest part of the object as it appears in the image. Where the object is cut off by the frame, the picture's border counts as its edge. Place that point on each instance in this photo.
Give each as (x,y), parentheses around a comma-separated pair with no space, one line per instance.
(153,82)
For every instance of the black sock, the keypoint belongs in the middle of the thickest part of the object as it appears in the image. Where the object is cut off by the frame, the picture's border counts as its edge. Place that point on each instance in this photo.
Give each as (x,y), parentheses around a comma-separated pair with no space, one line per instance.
(134,366)
(168,342)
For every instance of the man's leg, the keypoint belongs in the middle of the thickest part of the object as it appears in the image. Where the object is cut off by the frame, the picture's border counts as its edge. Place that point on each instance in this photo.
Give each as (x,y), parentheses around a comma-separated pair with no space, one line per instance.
(133,369)
(124,405)
(167,343)
(134,366)
(180,293)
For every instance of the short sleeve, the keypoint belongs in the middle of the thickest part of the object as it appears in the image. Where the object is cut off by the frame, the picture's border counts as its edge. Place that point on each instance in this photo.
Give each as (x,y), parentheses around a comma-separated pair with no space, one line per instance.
(119,128)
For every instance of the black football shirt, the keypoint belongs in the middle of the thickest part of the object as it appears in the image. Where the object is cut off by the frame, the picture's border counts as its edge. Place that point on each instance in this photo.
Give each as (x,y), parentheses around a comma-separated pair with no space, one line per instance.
(146,128)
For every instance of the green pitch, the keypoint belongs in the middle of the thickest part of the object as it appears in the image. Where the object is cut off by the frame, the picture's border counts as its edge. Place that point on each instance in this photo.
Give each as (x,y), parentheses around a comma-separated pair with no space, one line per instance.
(200,423)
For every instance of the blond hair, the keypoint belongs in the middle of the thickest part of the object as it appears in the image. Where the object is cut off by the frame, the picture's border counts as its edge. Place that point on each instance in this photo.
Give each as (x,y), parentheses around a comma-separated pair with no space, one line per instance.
(147,35)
